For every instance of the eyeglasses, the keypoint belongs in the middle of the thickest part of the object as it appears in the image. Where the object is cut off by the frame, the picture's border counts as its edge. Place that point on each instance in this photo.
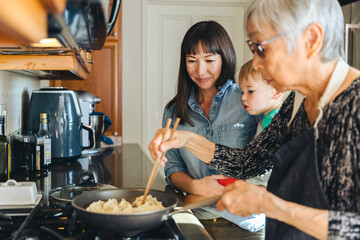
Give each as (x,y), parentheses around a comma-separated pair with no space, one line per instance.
(258,47)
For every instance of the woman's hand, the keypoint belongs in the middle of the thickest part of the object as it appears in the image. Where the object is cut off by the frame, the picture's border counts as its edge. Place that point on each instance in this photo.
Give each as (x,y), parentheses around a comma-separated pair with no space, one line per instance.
(242,198)
(208,186)
(204,187)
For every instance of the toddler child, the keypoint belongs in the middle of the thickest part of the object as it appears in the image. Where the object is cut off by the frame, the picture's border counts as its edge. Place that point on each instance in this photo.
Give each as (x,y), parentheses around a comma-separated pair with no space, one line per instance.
(259,98)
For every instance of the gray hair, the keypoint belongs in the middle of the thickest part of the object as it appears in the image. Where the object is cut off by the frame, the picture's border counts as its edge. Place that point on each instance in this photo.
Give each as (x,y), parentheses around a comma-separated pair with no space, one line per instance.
(290,17)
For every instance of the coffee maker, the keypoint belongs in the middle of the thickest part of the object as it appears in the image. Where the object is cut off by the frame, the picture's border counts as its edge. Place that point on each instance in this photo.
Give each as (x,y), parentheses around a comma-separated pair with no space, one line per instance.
(64,121)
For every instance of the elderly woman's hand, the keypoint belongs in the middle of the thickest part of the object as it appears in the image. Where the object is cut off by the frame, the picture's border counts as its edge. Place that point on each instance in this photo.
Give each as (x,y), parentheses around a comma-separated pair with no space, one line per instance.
(178,140)
(242,198)
(196,144)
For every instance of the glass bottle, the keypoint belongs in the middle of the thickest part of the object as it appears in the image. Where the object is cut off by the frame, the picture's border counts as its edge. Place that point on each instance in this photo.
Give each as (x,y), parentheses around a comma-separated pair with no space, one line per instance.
(4,143)
(22,158)
(44,142)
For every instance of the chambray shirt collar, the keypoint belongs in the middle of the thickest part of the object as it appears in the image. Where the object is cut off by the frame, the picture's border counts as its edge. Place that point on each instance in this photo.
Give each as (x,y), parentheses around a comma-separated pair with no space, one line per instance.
(195,106)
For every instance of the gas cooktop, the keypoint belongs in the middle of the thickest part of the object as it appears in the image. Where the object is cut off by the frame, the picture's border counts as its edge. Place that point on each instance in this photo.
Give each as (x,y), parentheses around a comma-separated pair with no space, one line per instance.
(59,221)
(56,220)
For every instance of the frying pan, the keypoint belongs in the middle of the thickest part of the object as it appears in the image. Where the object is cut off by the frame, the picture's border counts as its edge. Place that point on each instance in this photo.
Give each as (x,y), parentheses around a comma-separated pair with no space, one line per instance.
(129,224)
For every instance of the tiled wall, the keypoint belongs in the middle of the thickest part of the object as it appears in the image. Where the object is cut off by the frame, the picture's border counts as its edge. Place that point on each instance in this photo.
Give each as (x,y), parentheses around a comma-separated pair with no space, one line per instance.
(15,92)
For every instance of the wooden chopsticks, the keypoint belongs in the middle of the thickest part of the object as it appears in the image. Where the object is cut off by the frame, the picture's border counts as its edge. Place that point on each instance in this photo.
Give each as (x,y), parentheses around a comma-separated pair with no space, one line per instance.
(156,165)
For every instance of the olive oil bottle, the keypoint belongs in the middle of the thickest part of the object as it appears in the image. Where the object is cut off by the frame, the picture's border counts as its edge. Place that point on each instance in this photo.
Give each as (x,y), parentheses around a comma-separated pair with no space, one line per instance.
(43,143)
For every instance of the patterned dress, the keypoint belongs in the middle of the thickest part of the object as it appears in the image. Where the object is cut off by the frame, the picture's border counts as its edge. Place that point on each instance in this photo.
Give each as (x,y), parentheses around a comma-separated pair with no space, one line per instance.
(338,156)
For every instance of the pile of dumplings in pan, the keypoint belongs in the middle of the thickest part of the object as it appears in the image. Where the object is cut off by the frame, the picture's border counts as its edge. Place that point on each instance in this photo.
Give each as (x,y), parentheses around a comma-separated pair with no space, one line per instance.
(124,207)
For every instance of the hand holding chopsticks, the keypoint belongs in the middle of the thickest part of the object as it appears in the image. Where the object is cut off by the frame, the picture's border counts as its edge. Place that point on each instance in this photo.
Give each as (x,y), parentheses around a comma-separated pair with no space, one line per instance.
(156,165)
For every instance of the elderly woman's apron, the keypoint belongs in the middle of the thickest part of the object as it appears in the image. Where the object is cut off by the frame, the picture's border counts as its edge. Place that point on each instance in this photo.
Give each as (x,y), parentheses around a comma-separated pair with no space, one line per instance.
(295,175)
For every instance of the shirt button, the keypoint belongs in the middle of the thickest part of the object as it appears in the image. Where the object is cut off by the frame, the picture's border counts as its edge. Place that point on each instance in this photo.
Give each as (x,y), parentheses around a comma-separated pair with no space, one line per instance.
(221,93)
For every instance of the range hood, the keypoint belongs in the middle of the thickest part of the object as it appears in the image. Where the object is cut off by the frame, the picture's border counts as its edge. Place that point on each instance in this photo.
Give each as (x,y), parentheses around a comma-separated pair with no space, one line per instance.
(80,29)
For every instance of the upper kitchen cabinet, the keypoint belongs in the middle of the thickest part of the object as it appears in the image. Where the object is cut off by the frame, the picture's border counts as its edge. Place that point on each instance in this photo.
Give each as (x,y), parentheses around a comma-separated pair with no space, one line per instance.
(65,35)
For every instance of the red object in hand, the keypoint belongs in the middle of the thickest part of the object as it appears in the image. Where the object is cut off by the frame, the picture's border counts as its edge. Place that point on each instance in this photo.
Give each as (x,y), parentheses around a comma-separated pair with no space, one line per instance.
(227,181)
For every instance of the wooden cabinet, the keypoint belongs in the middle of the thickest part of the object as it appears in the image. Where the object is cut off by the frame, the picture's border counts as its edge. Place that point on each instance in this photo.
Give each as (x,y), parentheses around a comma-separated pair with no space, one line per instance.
(104,80)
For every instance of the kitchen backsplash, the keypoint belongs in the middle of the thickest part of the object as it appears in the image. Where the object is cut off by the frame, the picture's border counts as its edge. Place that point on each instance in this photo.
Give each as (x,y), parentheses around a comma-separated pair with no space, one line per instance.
(15,92)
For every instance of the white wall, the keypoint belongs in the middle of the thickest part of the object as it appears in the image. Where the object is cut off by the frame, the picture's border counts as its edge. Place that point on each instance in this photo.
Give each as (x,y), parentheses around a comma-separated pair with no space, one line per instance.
(132,86)
(15,90)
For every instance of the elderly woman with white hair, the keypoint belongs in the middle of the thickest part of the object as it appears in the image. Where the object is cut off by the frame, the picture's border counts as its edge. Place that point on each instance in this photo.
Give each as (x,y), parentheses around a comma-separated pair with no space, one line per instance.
(312,143)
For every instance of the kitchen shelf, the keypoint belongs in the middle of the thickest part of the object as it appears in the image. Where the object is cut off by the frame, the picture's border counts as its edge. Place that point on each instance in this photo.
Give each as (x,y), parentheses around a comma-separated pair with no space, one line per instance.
(61,64)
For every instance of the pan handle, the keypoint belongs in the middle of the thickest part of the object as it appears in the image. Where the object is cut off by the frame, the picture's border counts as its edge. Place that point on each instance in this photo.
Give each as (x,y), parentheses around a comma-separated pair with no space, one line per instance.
(198,204)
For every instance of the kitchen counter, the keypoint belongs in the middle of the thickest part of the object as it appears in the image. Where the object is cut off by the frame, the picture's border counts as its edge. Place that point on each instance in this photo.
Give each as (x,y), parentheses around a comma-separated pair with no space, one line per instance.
(125,166)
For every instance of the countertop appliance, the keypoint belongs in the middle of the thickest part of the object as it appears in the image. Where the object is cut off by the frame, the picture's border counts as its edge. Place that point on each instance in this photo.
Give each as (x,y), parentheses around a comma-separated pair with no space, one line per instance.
(64,120)
(56,220)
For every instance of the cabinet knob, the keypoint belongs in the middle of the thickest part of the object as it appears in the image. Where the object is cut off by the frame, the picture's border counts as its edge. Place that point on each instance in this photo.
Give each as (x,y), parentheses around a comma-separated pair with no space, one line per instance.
(115,34)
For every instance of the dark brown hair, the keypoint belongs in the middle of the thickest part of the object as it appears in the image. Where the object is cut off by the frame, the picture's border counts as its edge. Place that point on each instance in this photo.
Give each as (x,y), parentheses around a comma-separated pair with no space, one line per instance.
(214,39)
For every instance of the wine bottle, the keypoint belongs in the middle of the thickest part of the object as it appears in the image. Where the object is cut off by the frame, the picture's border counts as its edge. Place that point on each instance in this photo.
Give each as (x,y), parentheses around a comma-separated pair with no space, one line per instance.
(44,142)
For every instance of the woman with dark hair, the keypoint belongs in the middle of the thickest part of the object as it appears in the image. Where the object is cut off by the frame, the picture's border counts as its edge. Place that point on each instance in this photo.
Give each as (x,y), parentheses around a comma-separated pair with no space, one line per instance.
(209,103)
(213,39)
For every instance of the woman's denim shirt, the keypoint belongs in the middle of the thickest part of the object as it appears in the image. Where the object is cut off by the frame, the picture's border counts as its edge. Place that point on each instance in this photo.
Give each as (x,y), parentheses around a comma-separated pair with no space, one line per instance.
(228,124)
